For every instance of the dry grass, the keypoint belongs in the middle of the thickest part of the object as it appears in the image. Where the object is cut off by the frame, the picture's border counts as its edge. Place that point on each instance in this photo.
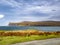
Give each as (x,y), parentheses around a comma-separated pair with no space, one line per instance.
(27,33)
(9,37)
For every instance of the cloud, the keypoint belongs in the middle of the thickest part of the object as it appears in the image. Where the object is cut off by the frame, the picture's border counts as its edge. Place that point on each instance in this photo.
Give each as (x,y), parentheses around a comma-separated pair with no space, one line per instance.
(1,16)
(29,10)
(11,3)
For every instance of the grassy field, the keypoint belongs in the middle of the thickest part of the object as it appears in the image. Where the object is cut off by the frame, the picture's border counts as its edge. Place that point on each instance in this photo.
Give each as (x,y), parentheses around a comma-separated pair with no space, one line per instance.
(11,37)
(7,40)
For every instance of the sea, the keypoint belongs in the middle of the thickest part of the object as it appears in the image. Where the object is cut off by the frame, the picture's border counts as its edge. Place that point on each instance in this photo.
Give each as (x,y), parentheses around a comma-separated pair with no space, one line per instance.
(42,28)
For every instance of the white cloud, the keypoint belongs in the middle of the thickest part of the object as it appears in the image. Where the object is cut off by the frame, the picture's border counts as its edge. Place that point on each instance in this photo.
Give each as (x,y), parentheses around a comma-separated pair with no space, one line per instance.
(11,3)
(44,9)
(27,9)
(1,16)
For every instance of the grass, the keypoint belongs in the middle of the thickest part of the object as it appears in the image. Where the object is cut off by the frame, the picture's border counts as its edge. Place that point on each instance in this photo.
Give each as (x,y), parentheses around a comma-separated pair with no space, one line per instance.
(7,40)
(11,37)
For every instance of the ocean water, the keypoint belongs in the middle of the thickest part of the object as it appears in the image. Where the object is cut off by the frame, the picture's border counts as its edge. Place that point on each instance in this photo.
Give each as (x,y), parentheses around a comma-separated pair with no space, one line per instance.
(43,28)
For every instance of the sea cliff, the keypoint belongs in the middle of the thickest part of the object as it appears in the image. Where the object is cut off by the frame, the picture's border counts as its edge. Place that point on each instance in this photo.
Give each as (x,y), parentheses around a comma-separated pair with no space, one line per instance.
(42,23)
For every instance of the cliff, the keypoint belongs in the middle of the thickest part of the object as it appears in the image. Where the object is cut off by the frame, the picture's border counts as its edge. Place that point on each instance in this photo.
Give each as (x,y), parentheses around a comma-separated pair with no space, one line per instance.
(42,23)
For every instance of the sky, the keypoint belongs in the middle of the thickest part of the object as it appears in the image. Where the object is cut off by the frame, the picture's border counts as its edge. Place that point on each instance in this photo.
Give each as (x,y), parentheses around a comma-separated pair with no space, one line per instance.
(29,10)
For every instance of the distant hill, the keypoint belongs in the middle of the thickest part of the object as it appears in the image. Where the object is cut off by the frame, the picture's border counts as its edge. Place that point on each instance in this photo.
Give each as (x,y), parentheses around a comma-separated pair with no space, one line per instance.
(40,23)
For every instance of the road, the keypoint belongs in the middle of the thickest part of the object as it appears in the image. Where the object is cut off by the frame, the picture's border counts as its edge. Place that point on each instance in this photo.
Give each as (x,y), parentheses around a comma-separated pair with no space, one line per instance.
(54,41)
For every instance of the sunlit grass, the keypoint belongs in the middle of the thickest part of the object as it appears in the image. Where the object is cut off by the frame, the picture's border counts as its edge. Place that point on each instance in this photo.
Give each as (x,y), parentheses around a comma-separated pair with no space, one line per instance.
(6,40)
(10,37)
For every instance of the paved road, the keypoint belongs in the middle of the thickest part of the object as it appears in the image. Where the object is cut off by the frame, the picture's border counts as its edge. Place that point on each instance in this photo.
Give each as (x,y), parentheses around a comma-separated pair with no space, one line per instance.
(55,41)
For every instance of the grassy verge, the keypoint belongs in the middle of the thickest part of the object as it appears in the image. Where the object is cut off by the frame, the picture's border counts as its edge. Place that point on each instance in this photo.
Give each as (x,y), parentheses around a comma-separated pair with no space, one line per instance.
(6,40)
